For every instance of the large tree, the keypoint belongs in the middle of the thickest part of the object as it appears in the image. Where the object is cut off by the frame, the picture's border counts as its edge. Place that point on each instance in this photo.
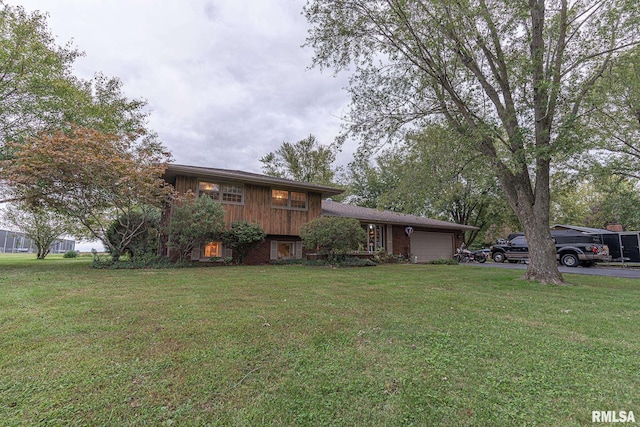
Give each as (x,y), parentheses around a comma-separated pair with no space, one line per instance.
(616,118)
(430,174)
(305,160)
(40,225)
(91,176)
(77,147)
(510,76)
(35,74)
(39,92)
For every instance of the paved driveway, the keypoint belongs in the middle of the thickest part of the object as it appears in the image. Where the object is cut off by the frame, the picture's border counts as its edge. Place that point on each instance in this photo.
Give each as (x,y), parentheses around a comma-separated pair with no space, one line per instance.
(631,273)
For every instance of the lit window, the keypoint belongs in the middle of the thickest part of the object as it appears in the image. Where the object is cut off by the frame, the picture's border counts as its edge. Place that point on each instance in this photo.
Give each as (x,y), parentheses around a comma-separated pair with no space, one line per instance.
(288,199)
(231,193)
(280,198)
(375,237)
(285,250)
(210,189)
(213,250)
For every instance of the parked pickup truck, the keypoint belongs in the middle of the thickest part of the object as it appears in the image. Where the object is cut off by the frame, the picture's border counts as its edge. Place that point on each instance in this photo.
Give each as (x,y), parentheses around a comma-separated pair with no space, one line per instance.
(573,249)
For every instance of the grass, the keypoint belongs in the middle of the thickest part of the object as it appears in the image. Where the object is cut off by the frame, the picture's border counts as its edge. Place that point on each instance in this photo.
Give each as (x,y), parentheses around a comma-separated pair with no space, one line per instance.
(291,345)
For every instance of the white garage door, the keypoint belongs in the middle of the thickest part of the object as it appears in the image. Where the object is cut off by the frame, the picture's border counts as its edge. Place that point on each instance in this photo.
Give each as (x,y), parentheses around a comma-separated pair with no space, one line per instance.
(428,246)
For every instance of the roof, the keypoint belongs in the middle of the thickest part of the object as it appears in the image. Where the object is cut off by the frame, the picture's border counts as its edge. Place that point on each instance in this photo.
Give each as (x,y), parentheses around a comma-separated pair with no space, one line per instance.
(330,208)
(174,170)
(586,230)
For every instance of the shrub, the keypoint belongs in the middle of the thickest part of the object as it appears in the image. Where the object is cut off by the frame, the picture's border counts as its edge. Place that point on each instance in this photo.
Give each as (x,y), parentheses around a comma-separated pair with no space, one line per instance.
(135,233)
(333,236)
(194,221)
(382,257)
(140,262)
(242,237)
(70,254)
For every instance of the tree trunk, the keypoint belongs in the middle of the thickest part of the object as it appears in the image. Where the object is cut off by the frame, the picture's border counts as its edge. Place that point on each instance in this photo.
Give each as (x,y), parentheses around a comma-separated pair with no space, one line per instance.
(543,264)
(532,209)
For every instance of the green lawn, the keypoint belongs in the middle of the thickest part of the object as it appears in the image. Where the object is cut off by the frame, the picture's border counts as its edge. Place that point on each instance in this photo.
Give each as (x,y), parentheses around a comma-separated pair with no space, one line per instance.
(290,345)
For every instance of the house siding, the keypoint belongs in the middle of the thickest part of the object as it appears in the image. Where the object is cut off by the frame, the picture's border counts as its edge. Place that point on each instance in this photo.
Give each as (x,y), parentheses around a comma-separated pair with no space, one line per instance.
(256,208)
(400,241)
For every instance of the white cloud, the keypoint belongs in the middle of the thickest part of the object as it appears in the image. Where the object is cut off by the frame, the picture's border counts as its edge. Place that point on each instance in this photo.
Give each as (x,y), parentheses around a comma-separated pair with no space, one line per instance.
(227,81)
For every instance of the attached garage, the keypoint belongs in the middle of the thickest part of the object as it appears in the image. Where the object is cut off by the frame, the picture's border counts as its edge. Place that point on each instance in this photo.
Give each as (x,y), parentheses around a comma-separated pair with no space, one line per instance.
(417,238)
(428,246)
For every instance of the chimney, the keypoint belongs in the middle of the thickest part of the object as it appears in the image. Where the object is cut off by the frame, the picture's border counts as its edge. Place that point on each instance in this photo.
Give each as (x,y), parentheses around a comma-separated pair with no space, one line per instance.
(614,226)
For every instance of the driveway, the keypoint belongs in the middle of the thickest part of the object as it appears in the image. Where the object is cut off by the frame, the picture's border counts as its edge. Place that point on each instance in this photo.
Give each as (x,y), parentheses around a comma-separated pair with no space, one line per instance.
(630,273)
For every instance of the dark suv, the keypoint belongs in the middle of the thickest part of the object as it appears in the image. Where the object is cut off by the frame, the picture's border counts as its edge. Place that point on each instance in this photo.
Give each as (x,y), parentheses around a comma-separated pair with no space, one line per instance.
(573,249)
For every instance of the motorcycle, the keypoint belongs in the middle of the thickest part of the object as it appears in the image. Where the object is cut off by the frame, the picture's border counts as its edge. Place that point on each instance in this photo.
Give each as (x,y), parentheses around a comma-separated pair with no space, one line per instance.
(465,255)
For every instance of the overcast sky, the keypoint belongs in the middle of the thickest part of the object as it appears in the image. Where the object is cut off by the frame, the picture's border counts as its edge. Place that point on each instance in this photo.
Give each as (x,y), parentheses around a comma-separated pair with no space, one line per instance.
(226,81)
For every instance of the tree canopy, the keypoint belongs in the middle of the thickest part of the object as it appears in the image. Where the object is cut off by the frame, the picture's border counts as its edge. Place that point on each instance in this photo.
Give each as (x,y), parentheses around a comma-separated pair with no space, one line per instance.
(305,161)
(430,174)
(36,75)
(194,222)
(39,92)
(79,148)
(616,119)
(40,225)
(90,176)
(510,77)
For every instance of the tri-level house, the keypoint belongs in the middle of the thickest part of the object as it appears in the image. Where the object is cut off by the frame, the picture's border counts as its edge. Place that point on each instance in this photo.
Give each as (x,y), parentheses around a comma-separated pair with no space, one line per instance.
(282,206)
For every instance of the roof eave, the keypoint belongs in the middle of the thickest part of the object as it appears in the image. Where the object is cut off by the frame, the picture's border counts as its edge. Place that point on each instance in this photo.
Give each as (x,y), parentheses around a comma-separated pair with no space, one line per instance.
(173,170)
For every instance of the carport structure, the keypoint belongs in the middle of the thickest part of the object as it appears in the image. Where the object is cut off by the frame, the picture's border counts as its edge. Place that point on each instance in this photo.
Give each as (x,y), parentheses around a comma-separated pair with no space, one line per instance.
(623,245)
(420,238)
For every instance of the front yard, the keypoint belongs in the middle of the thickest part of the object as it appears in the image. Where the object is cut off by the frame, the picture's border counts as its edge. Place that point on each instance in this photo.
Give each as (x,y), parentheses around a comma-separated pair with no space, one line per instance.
(291,345)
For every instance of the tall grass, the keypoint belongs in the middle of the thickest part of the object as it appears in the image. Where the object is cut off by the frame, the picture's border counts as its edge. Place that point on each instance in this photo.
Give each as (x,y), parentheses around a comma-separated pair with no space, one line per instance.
(292,345)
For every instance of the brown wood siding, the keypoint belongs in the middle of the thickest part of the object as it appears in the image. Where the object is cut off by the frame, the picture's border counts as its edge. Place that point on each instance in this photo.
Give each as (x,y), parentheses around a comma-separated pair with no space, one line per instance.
(257,208)
(186,183)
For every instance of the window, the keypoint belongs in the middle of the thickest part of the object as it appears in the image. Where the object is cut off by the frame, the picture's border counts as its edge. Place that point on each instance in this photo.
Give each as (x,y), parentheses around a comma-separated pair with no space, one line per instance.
(285,250)
(213,250)
(280,198)
(210,189)
(375,237)
(231,193)
(298,200)
(288,199)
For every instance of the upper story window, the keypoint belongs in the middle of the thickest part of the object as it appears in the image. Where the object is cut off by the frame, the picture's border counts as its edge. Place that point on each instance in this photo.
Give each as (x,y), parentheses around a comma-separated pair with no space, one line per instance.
(231,193)
(288,199)
(224,193)
(210,189)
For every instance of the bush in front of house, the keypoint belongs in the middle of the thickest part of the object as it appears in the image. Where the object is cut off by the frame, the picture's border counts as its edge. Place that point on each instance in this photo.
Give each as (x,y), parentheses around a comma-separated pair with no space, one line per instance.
(333,236)
(195,221)
(242,237)
(135,233)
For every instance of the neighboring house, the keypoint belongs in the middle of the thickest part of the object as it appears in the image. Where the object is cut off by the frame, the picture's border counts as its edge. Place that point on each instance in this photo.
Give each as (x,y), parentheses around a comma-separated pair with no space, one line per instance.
(16,242)
(623,245)
(281,206)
